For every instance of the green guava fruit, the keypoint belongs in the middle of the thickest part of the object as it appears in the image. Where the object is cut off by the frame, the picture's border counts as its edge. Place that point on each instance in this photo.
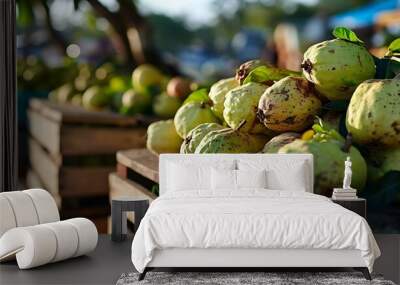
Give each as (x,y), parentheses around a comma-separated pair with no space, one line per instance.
(274,144)
(134,102)
(336,67)
(231,141)
(381,161)
(95,99)
(76,100)
(241,105)
(179,87)
(166,106)
(330,150)
(195,136)
(162,137)
(267,74)
(119,83)
(146,77)
(218,92)
(373,116)
(191,115)
(289,105)
(65,93)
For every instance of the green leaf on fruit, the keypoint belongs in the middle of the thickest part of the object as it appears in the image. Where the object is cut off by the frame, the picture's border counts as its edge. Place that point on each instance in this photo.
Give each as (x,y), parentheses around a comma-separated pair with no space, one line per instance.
(323,133)
(200,95)
(268,74)
(346,34)
(394,48)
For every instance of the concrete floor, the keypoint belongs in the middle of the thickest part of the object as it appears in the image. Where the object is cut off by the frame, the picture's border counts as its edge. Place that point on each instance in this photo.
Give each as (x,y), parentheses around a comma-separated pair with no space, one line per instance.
(110,260)
(103,266)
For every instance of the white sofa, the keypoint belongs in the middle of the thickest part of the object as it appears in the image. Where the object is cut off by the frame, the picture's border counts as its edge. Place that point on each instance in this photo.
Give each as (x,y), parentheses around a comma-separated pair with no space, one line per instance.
(165,238)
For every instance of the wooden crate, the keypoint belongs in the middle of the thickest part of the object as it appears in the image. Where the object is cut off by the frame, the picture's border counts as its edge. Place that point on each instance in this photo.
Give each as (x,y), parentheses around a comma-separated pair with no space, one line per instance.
(137,173)
(68,181)
(72,152)
(69,130)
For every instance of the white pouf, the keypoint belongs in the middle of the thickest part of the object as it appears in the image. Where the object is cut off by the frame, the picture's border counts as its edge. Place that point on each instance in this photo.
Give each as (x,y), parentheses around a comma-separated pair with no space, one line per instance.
(26,208)
(23,208)
(40,244)
(7,219)
(45,205)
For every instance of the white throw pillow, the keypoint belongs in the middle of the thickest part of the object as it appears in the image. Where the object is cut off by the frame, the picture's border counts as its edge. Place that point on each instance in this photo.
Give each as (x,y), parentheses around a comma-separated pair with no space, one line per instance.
(230,180)
(251,178)
(223,179)
(288,175)
(190,176)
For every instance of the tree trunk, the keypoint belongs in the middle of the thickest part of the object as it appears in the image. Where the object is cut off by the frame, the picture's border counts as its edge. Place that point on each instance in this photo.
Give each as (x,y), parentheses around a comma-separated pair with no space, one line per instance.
(54,34)
(119,30)
(134,33)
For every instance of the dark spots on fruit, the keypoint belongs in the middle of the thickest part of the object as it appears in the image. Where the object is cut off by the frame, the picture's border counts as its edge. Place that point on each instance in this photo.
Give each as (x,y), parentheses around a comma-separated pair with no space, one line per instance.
(285,97)
(188,139)
(331,51)
(289,120)
(333,68)
(369,114)
(374,133)
(396,127)
(307,65)
(260,115)
(284,92)
(270,107)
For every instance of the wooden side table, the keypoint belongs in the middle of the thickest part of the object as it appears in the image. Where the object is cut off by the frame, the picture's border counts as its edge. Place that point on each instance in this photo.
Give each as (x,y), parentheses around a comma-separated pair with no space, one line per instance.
(119,207)
(358,205)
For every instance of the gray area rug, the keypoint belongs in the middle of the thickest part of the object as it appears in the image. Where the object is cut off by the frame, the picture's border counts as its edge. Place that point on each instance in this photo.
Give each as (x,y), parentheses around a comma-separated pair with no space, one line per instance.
(243,278)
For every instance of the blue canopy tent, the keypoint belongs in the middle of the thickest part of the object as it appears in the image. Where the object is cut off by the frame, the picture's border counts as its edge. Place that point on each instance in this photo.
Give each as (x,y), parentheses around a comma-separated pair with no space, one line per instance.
(364,16)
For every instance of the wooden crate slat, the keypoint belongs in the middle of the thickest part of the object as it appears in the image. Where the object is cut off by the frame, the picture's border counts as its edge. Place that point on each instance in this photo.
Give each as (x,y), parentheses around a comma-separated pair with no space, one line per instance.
(46,169)
(141,161)
(121,187)
(68,181)
(78,115)
(84,181)
(33,180)
(45,131)
(100,140)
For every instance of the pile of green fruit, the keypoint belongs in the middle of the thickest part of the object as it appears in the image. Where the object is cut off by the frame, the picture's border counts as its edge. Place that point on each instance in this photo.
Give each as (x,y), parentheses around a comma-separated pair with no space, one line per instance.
(339,105)
(147,91)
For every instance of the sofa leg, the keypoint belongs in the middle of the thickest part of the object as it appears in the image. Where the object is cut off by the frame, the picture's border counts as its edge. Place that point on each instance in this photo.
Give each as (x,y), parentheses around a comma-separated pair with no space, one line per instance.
(365,272)
(142,275)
